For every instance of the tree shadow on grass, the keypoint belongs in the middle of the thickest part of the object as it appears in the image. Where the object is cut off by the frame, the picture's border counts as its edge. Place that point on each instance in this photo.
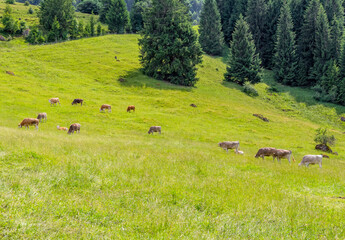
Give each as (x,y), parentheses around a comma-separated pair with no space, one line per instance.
(135,78)
(300,94)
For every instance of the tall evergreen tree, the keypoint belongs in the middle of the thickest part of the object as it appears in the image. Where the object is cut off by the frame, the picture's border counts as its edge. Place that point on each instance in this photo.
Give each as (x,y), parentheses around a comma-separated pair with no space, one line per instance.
(273,14)
(244,63)
(210,29)
(322,54)
(137,14)
(257,20)
(337,31)
(298,8)
(285,58)
(169,48)
(239,8)
(307,43)
(226,8)
(341,82)
(117,16)
(62,10)
(334,8)
(92,26)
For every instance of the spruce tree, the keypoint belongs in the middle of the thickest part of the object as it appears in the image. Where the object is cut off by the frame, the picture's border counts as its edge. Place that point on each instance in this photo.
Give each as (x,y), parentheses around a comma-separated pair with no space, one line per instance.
(285,49)
(137,14)
(244,63)
(337,31)
(333,9)
(117,16)
(62,10)
(298,8)
(273,13)
(322,46)
(92,26)
(210,29)
(239,8)
(169,48)
(341,83)
(307,44)
(226,8)
(256,18)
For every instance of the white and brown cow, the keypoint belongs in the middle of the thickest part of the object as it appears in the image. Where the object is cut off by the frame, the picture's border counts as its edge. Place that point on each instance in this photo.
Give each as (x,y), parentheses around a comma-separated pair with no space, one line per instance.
(54,101)
(104,107)
(62,128)
(229,145)
(42,117)
(75,127)
(281,153)
(29,122)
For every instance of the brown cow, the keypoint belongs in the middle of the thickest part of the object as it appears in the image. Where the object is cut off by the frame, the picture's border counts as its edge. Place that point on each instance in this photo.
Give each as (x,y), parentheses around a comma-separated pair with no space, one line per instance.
(105,106)
(281,153)
(131,107)
(78,100)
(53,101)
(155,129)
(29,122)
(75,127)
(42,117)
(265,152)
(62,128)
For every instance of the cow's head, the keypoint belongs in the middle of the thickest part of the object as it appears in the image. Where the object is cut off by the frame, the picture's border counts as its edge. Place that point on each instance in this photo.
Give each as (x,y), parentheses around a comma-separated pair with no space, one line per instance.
(325,156)
(19,126)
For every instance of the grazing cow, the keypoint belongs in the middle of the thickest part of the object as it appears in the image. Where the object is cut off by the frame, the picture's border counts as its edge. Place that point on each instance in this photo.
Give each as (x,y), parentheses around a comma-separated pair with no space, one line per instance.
(131,107)
(105,106)
(155,129)
(53,101)
(75,127)
(281,153)
(78,100)
(312,159)
(229,145)
(29,122)
(62,128)
(42,117)
(265,152)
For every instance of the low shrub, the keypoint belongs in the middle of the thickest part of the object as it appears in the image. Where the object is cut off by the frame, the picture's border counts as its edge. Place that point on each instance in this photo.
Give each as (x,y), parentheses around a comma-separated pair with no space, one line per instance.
(250,90)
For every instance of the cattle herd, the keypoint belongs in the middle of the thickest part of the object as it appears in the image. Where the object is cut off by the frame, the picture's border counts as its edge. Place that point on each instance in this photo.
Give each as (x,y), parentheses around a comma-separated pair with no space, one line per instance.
(276,154)
(263,152)
(75,127)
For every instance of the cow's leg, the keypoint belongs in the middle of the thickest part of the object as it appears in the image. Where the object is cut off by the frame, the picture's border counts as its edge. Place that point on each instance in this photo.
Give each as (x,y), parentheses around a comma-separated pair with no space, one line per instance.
(320,165)
(289,158)
(263,157)
(36,126)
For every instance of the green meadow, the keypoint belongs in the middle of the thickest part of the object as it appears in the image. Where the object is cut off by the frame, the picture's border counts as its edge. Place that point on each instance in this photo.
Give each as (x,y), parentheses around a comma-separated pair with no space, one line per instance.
(114,181)
(20,13)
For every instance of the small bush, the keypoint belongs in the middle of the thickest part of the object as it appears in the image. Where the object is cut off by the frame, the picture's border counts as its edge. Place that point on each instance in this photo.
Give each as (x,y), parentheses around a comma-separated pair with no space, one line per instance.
(10,1)
(273,89)
(31,11)
(250,90)
(26,3)
(322,137)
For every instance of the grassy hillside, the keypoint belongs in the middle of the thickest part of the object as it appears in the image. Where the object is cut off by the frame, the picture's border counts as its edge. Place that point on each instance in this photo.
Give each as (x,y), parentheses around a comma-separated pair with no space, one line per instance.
(20,12)
(113,180)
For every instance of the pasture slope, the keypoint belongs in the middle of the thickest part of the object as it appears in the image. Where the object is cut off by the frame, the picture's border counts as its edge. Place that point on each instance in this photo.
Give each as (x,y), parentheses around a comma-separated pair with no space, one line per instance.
(114,181)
